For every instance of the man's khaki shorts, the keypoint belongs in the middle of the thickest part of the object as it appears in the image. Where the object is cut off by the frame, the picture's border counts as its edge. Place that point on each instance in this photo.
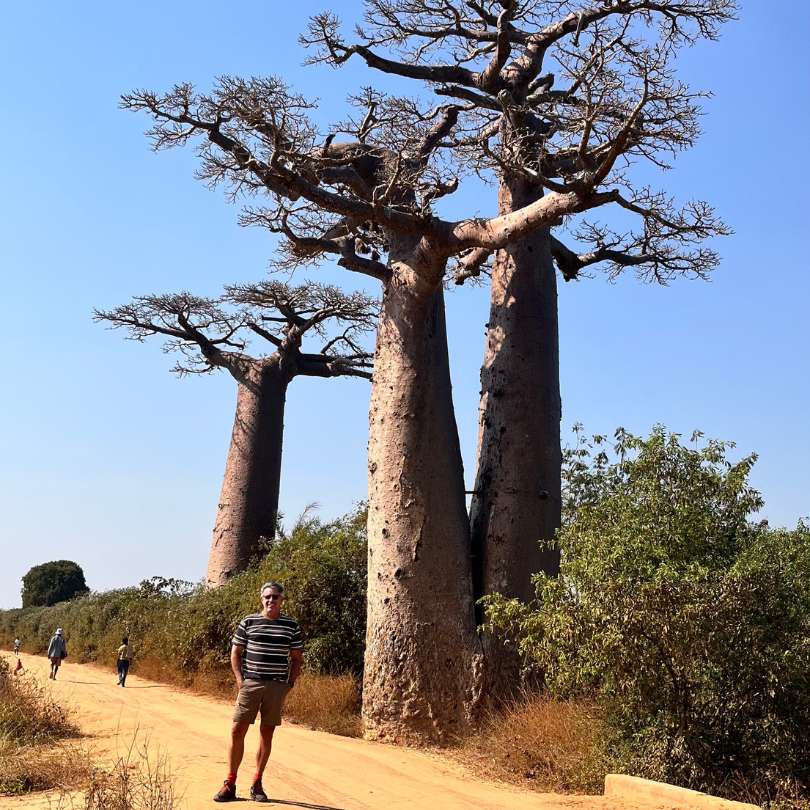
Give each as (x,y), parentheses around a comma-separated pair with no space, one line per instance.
(255,695)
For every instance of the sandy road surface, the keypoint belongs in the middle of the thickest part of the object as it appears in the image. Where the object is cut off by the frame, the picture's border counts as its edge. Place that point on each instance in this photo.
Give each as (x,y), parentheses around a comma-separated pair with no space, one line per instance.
(308,769)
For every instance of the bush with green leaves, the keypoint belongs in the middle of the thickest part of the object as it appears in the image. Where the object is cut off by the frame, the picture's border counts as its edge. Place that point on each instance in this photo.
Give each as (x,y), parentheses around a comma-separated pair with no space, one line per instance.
(323,568)
(689,621)
(53,582)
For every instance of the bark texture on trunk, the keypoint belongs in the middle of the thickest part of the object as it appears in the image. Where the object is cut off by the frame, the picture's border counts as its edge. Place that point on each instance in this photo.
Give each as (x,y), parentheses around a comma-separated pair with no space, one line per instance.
(248,502)
(422,654)
(516,501)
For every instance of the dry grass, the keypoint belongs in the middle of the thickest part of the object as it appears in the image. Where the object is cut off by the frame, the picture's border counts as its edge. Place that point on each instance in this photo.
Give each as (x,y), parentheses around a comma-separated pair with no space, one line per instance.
(214,681)
(541,743)
(141,779)
(326,702)
(24,769)
(158,669)
(28,716)
(32,730)
(35,755)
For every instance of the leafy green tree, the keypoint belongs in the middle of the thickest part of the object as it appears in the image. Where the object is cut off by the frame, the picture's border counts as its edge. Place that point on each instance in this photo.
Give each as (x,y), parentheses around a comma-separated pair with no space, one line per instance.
(53,582)
(689,621)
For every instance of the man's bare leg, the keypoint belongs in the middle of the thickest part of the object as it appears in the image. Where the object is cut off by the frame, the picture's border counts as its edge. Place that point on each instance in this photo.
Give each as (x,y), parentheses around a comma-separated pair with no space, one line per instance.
(263,754)
(236,748)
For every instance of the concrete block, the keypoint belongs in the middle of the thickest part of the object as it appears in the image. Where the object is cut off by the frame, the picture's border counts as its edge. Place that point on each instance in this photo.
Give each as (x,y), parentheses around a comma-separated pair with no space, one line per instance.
(637,790)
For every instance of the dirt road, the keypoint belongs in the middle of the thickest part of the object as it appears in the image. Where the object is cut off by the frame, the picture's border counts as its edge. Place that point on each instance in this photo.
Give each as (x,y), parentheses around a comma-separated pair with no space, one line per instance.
(308,769)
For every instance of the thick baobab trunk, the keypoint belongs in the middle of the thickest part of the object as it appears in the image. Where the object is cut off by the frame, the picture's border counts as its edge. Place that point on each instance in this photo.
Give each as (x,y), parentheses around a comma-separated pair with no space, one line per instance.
(248,502)
(516,501)
(421,658)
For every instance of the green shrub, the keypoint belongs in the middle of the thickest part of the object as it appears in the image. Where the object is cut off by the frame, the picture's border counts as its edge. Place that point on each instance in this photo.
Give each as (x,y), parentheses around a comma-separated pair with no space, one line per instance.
(689,622)
(323,568)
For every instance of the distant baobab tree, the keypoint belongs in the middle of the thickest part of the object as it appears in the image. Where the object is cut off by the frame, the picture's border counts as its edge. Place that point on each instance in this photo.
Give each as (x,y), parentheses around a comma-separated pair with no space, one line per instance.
(213,334)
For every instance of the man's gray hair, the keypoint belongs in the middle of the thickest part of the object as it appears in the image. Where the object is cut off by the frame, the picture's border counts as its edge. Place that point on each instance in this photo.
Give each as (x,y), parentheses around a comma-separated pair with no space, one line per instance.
(275,585)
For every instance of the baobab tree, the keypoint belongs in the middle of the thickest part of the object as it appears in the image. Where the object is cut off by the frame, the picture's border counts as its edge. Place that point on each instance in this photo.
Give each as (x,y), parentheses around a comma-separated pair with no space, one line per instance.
(370,201)
(213,334)
(556,98)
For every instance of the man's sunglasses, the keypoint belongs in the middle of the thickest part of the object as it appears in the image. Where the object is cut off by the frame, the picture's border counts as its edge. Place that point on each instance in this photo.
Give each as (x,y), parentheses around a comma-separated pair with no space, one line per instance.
(272,597)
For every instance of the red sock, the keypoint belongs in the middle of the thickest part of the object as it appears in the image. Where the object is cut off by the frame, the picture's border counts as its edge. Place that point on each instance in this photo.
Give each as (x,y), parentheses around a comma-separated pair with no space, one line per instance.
(231,778)
(257,778)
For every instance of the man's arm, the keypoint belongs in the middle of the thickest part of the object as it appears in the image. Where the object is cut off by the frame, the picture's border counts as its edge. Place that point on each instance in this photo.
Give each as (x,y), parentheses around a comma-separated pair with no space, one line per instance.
(296,660)
(236,663)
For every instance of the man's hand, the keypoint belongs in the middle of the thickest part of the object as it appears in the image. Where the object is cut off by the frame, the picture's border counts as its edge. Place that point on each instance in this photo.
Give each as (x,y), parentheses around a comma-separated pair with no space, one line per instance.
(296,661)
(236,664)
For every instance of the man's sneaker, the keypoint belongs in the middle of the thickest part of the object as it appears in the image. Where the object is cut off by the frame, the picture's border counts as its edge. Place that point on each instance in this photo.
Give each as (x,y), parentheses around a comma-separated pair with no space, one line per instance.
(227,793)
(257,793)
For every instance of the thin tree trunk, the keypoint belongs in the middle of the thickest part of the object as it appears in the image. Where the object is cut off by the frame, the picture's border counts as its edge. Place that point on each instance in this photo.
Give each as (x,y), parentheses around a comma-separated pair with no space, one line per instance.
(421,647)
(516,501)
(248,502)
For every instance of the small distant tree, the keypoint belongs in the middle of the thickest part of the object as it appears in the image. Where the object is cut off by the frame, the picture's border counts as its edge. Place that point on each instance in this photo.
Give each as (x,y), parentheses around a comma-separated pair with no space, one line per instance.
(53,582)
(212,334)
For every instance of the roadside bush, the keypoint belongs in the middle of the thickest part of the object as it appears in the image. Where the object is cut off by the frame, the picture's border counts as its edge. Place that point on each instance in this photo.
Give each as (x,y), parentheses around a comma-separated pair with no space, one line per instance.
(323,568)
(686,620)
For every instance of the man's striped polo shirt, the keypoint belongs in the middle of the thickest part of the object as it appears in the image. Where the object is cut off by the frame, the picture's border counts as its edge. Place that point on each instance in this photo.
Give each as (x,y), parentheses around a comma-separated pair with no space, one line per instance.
(267,644)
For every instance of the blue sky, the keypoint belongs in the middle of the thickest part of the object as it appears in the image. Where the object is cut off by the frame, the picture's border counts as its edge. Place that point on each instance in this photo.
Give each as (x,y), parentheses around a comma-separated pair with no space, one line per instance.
(107,459)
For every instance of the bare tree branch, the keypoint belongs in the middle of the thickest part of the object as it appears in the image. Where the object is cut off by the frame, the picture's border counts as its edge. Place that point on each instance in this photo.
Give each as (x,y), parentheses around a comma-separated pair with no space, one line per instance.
(471,264)
(199,329)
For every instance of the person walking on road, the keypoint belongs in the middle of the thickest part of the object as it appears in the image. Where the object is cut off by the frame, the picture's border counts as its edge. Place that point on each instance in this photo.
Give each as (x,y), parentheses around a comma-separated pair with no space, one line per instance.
(124,657)
(18,667)
(57,650)
(266,659)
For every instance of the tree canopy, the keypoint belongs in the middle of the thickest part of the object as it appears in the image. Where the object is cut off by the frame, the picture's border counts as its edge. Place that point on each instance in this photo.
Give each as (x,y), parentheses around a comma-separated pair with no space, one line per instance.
(52,582)
(213,333)
(571,97)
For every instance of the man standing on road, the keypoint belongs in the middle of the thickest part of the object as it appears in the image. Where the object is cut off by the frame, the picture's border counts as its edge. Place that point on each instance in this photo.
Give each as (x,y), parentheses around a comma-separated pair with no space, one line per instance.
(57,650)
(17,644)
(124,657)
(266,659)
